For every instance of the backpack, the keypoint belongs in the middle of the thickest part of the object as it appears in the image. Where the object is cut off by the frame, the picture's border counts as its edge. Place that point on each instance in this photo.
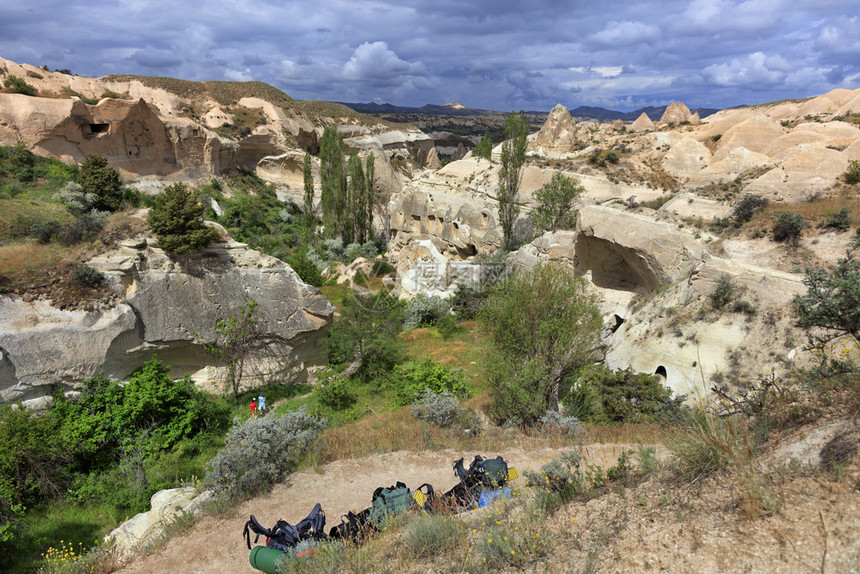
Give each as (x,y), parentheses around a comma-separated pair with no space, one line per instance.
(353,526)
(283,535)
(389,502)
(457,497)
(489,474)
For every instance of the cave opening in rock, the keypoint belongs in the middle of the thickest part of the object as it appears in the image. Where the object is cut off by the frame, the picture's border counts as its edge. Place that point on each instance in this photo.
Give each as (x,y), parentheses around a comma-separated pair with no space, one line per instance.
(99,128)
(661,371)
(616,321)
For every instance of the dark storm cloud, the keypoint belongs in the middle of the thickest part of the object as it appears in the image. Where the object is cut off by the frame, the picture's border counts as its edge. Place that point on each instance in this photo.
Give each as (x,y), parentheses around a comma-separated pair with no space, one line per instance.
(502,54)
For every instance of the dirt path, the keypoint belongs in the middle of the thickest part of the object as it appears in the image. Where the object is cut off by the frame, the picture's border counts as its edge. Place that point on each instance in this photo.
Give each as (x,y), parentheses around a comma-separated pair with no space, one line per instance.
(216,545)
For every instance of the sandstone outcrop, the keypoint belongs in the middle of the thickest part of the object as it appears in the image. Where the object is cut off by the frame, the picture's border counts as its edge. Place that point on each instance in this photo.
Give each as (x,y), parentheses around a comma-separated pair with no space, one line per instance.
(642,123)
(754,134)
(169,308)
(686,157)
(631,251)
(676,113)
(559,131)
(147,528)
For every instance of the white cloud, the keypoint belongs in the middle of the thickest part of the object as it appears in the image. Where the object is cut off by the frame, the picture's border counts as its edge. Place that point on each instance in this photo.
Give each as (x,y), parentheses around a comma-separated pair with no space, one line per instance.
(754,71)
(626,34)
(238,75)
(376,61)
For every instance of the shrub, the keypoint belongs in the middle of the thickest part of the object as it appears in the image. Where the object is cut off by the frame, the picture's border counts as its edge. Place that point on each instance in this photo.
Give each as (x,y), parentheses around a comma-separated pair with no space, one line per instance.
(747,207)
(18,86)
(601,395)
(44,231)
(424,310)
(414,377)
(788,228)
(332,390)
(724,291)
(443,409)
(307,270)
(86,276)
(367,330)
(447,326)
(852,176)
(707,444)
(559,475)
(555,203)
(355,250)
(260,452)
(839,220)
(433,535)
(176,217)
(75,200)
(333,249)
(484,148)
(84,228)
(103,182)
(543,326)
(557,423)
(612,157)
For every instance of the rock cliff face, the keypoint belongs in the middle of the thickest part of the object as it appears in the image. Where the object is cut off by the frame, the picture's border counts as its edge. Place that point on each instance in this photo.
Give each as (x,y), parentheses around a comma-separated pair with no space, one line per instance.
(169,308)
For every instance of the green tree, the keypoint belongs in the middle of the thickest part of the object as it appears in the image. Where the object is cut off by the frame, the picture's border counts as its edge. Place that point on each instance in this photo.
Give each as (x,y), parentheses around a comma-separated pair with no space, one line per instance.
(357,199)
(513,158)
(333,193)
(309,216)
(176,217)
(18,86)
(543,325)
(555,203)
(367,331)
(238,336)
(603,396)
(371,201)
(788,228)
(103,181)
(832,300)
(484,148)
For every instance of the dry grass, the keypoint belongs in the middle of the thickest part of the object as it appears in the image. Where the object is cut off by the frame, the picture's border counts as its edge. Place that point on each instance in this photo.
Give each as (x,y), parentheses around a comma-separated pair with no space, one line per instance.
(812,211)
(465,351)
(18,212)
(23,265)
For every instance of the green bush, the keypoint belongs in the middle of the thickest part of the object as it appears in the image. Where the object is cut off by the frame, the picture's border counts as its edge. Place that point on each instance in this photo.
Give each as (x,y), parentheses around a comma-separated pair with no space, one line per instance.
(747,207)
(176,217)
(447,326)
(788,228)
(18,86)
(852,176)
(604,396)
(332,390)
(724,291)
(839,220)
(444,410)
(424,311)
(414,377)
(85,276)
(306,269)
(96,177)
(543,326)
(367,331)
(260,452)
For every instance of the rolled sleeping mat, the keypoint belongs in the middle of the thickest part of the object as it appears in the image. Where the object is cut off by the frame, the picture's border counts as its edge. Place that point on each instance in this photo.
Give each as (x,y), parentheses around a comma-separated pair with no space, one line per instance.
(265,559)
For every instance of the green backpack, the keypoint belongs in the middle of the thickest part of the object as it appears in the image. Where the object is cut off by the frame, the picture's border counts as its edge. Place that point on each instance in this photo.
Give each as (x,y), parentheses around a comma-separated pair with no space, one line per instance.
(388,502)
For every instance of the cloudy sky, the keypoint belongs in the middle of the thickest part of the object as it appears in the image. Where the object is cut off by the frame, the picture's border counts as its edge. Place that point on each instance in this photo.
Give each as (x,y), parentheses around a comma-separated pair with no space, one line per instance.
(501,54)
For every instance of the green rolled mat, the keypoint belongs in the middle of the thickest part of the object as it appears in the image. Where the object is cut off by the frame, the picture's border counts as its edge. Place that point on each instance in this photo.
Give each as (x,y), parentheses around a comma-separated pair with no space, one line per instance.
(265,559)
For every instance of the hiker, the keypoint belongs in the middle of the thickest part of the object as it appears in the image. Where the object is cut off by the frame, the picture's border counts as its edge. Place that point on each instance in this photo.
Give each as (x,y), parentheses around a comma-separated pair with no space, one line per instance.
(253,407)
(261,402)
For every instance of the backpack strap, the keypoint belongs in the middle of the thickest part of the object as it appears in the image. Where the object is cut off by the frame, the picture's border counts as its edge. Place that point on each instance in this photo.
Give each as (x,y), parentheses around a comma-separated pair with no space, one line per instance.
(253,526)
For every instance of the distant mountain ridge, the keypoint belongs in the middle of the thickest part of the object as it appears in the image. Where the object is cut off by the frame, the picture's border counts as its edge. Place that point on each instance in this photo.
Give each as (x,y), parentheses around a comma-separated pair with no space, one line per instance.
(455,109)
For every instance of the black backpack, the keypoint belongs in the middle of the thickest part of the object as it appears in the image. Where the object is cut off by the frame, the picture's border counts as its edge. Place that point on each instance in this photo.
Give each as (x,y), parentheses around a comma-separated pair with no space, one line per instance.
(482,474)
(353,526)
(283,535)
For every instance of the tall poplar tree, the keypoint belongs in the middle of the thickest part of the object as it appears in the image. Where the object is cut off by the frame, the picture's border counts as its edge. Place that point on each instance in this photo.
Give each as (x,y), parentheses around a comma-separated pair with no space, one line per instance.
(513,158)
(333,193)
(369,175)
(309,217)
(357,198)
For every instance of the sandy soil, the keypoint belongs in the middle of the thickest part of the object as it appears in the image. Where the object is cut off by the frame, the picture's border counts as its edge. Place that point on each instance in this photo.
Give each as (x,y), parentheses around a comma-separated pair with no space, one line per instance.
(216,545)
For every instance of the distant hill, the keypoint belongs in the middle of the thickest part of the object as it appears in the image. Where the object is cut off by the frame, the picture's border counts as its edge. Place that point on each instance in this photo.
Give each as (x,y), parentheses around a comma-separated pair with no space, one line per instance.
(455,109)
